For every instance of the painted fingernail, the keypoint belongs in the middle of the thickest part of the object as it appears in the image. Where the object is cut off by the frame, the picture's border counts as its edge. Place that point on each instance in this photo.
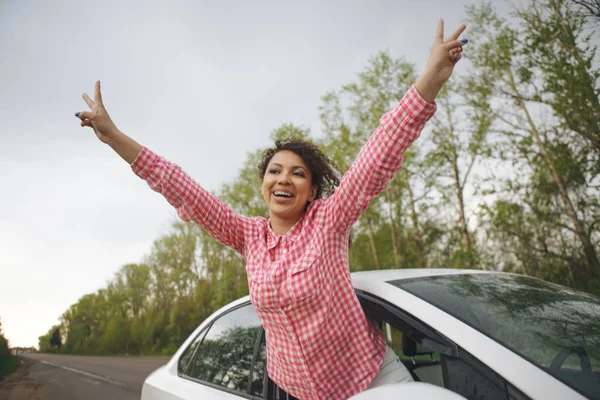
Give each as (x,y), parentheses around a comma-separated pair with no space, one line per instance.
(465,40)
(77,114)
(455,59)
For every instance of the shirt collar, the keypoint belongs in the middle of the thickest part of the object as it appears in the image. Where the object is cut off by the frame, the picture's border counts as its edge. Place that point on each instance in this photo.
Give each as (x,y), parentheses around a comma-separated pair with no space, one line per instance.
(291,235)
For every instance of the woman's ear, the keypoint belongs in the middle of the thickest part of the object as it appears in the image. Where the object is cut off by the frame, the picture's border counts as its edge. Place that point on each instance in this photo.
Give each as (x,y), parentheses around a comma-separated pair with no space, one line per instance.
(313,193)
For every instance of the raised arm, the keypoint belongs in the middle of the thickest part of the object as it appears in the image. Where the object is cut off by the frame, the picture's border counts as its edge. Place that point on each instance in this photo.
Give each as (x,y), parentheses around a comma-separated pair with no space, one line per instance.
(191,200)
(381,156)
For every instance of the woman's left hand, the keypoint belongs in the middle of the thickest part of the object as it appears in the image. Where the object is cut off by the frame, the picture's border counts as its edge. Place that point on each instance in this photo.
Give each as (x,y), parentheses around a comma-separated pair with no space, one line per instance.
(443,57)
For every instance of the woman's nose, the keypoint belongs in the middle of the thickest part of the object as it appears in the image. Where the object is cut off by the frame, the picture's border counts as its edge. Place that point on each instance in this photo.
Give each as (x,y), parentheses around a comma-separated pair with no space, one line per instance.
(284,178)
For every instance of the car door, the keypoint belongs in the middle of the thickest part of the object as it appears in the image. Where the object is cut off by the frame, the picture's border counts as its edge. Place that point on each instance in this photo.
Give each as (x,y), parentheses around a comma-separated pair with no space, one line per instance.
(228,359)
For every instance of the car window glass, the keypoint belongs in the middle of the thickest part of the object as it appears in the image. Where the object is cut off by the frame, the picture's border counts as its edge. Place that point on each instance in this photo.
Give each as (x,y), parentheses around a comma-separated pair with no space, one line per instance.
(225,355)
(464,379)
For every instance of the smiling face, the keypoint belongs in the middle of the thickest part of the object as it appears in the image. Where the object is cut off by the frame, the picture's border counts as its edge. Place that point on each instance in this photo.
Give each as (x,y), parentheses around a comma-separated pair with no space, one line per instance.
(287,186)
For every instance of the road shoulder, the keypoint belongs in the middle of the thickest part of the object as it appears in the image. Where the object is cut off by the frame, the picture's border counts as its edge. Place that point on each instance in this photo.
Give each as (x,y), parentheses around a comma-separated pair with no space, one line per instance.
(18,385)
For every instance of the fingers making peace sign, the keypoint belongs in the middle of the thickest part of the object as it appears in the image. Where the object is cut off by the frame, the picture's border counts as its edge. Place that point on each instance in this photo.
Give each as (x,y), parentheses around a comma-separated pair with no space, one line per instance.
(443,57)
(97,118)
(449,52)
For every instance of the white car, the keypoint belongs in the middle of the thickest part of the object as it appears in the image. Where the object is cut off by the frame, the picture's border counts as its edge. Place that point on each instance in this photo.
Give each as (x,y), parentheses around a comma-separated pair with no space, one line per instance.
(462,334)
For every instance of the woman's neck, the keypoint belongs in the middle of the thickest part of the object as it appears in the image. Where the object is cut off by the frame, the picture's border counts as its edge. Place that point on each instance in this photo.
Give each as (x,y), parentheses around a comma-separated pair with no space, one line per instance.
(282,225)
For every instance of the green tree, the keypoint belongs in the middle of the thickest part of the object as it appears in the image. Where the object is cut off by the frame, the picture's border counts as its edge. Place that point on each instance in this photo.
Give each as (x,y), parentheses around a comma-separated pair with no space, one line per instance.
(45,344)
(556,43)
(459,140)
(548,178)
(55,339)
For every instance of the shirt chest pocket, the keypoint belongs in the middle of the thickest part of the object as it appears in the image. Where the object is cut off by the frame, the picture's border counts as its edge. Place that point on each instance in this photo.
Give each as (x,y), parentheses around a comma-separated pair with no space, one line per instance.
(254,270)
(305,275)
(263,291)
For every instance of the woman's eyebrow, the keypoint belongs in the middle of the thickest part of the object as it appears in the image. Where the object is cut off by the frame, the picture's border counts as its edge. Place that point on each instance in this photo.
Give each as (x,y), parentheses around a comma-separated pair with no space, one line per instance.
(293,167)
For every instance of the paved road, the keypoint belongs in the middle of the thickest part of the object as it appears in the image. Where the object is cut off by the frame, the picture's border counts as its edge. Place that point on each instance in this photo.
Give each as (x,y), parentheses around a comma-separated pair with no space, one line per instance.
(60,377)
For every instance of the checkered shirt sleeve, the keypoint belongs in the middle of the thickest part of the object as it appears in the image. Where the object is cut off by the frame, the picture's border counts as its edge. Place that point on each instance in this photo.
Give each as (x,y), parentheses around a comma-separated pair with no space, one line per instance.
(191,200)
(378,160)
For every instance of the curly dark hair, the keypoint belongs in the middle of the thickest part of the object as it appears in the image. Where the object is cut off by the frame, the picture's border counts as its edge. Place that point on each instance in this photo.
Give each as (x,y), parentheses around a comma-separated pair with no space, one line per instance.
(324,172)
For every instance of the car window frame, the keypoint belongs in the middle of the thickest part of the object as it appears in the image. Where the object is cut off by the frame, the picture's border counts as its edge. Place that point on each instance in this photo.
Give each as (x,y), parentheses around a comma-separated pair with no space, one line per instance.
(193,355)
(203,333)
(257,347)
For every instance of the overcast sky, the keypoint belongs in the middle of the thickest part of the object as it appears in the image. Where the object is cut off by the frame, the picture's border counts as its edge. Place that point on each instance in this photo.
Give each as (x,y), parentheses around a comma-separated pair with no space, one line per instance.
(197,82)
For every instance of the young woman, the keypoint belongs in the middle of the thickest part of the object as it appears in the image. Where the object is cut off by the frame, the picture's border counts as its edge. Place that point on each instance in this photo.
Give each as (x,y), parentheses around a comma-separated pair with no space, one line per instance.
(320,345)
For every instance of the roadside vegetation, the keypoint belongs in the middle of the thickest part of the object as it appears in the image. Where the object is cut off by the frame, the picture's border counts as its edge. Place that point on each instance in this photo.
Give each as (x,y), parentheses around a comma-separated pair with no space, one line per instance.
(505,177)
(8,363)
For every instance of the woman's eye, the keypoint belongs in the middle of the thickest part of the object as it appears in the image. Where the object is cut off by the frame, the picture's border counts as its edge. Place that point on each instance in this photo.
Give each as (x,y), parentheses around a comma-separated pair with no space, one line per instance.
(273,171)
(300,174)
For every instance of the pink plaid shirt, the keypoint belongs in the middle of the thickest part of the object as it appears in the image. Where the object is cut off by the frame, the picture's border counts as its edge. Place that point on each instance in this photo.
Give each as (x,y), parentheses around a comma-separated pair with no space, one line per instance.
(320,345)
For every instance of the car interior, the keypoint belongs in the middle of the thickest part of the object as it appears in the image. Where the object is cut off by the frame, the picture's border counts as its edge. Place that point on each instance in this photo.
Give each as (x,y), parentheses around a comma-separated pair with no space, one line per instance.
(417,346)
(422,370)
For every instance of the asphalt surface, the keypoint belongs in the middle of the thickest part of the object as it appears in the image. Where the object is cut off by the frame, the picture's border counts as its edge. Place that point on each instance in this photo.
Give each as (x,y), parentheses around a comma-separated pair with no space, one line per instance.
(60,377)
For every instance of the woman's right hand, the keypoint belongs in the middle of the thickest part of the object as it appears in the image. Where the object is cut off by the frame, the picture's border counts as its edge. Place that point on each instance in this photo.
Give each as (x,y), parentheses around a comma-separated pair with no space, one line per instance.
(97,118)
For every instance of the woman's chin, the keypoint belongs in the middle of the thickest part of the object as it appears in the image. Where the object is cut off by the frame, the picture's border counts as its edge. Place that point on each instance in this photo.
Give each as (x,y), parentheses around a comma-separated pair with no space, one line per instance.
(284,211)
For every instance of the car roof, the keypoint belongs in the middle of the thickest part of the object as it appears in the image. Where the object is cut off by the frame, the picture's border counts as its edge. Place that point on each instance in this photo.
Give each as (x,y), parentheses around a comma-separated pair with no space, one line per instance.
(410,273)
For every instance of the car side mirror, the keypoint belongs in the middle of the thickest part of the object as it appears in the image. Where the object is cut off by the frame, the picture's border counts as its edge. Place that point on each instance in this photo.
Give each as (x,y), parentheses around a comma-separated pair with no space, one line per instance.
(409,390)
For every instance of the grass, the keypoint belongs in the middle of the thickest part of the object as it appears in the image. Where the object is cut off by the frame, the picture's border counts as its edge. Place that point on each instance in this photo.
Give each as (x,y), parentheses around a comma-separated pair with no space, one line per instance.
(8,365)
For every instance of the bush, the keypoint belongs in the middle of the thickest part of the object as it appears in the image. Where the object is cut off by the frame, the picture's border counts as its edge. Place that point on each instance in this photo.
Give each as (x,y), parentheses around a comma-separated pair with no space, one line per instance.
(8,365)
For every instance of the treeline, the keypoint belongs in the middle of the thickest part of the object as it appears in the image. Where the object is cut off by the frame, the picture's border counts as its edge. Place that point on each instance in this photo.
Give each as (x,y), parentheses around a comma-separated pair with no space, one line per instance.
(505,177)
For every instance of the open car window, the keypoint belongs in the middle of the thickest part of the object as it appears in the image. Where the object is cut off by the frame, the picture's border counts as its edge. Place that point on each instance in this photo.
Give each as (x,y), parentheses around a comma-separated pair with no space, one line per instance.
(432,358)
